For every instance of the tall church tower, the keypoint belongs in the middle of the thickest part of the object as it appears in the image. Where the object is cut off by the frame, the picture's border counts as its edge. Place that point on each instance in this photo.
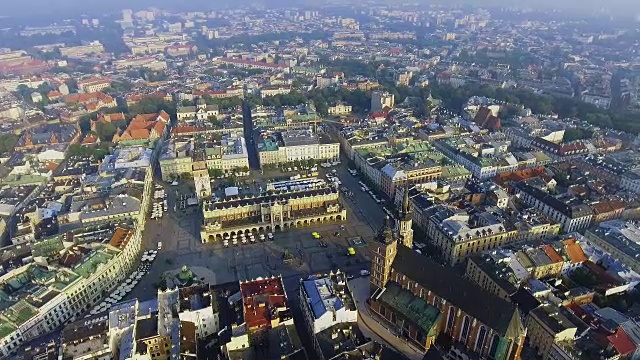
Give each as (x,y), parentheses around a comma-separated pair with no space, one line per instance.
(405,221)
(201,178)
(383,252)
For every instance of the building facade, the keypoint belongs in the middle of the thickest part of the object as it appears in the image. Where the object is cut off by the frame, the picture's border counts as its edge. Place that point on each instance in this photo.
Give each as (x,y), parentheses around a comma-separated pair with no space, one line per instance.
(419,306)
(381,100)
(270,212)
(458,236)
(201,111)
(547,325)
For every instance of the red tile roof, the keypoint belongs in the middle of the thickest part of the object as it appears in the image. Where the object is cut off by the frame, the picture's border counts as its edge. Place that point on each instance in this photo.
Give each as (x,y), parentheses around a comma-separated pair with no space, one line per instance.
(574,251)
(621,342)
(485,119)
(142,125)
(552,254)
(260,298)
(90,139)
(120,238)
(519,175)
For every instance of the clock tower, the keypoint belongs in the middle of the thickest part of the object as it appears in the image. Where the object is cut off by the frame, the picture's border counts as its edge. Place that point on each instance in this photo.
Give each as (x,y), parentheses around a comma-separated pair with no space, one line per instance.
(201,178)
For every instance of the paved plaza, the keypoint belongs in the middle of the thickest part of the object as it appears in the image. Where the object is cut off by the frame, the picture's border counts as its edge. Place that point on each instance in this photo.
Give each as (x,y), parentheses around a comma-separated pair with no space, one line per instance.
(213,263)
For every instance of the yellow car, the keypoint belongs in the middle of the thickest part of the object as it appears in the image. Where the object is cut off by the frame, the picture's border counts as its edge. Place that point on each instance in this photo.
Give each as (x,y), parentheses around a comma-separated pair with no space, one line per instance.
(351,251)
(316,235)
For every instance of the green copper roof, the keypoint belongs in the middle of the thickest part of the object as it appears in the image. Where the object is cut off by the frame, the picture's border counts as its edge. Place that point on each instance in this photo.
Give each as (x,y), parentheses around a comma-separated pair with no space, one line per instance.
(413,308)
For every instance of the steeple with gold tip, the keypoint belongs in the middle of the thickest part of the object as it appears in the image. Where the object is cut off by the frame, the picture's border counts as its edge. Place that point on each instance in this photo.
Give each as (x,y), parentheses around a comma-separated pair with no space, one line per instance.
(385,235)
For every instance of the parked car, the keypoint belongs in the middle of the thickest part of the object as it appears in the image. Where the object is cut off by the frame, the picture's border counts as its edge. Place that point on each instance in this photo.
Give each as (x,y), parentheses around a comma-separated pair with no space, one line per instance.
(364,272)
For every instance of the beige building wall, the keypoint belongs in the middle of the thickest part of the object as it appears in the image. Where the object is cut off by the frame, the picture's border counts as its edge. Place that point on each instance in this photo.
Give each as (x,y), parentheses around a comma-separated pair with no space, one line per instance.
(541,337)
(174,167)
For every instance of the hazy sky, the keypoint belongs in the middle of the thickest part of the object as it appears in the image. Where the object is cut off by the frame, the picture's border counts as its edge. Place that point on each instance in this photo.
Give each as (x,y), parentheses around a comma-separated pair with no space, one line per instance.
(74,7)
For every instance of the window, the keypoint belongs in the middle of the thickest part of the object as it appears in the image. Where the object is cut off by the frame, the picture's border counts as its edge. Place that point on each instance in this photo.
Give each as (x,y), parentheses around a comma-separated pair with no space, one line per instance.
(464,334)
(493,350)
(451,320)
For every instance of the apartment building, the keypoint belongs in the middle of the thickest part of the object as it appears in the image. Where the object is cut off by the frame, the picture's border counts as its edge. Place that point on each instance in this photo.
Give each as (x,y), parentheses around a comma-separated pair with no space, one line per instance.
(630,180)
(274,90)
(459,235)
(620,239)
(251,64)
(93,85)
(295,145)
(381,100)
(81,281)
(201,111)
(169,326)
(95,47)
(409,169)
(493,276)
(326,301)
(222,153)
(547,325)
(571,215)
(339,109)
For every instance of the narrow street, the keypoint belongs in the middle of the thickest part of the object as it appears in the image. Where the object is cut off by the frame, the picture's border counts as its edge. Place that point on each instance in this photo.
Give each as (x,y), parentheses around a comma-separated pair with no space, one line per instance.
(252,150)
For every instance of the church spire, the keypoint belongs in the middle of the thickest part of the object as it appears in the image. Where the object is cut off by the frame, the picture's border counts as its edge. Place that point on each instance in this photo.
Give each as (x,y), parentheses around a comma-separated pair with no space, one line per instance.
(405,211)
(385,235)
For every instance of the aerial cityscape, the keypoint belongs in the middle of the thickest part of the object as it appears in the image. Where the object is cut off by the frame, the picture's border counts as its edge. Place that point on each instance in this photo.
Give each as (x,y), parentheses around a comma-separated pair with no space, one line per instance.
(332,181)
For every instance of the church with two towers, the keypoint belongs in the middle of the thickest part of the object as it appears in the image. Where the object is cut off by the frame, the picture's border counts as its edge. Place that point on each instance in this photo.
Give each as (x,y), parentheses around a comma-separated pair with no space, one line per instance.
(422,300)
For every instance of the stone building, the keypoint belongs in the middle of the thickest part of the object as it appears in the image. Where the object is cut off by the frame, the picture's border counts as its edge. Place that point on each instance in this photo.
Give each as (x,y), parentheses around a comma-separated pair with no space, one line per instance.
(270,212)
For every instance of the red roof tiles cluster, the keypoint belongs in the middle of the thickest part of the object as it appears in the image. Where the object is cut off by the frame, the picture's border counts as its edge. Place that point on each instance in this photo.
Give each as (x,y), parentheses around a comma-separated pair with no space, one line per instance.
(485,119)
(144,126)
(260,298)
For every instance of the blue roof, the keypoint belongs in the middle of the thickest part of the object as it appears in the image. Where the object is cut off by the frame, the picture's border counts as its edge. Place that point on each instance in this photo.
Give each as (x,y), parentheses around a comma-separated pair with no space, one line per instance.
(321,303)
(317,305)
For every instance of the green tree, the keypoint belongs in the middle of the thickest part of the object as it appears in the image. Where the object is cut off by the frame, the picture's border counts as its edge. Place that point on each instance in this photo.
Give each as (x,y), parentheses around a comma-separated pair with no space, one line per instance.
(106,130)
(572,134)
(98,151)
(321,106)
(72,84)
(215,173)
(44,88)
(8,143)
(24,92)
(85,123)
(152,105)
